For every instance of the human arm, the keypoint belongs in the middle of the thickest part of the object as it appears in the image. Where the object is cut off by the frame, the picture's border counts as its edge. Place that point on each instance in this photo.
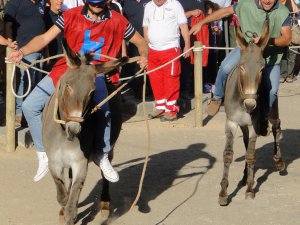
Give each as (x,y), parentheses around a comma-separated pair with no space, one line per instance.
(8,42)
(294,6)
(217,15)
(186,37)
(195,13)
(142,47)
(35,45)
(284,39)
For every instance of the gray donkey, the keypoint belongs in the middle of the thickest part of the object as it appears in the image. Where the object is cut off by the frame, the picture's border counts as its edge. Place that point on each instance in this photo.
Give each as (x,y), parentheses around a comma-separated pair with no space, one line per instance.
(243,108)
(72,145)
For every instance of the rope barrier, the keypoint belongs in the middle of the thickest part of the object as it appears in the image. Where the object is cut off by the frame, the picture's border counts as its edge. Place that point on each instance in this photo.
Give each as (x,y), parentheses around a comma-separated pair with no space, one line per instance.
(26,66)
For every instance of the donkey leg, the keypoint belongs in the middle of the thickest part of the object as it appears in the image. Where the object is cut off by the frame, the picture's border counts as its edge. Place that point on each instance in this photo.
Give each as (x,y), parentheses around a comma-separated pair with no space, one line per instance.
(105,199)
(79,171)
(276,130)
(230,131)
(250,160)
(245,131)
(62,194)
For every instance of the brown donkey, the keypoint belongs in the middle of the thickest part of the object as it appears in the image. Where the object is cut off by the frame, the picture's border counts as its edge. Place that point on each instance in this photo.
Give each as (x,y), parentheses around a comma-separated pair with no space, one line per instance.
(242,103)
(72,145)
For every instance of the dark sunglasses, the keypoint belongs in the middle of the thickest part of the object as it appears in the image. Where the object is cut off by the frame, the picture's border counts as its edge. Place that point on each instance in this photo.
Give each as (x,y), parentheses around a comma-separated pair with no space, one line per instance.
(97,4)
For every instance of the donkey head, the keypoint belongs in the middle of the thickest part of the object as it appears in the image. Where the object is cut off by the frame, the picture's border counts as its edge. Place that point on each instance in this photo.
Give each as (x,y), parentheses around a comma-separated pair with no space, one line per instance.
(251,67)
(77,85)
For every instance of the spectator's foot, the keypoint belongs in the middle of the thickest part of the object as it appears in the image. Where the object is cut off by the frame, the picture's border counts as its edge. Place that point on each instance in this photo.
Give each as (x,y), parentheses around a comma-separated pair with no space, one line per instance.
(156,114)
(18,120)
(214,106)
(108,171)
(289,79)
(282,79)
(168,116)
(43,166)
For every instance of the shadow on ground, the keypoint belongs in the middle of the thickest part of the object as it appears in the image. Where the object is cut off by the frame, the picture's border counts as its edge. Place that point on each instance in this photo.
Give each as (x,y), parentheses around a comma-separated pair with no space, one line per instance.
(290,150)
(162,170)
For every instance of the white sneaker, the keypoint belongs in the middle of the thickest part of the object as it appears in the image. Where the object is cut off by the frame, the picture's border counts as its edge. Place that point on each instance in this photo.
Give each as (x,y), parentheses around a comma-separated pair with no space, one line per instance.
(108,171)
(43,166)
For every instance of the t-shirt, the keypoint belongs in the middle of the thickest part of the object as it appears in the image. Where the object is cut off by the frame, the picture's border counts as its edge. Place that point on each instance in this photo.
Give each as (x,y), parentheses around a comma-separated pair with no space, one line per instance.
(69,4)
(55,46)
(27,18)
(134,12)
(163,24)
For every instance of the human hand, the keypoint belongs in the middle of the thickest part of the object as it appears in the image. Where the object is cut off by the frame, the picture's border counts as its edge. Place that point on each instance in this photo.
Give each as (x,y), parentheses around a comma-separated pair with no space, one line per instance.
(255,39)
(195,29)
(12,45)
(188,54)
(196,12)
(143,62)
(15,56)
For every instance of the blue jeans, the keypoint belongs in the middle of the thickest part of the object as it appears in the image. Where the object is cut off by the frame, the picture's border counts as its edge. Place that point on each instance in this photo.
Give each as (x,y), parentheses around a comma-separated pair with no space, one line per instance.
(34,104)
(228,64)
(271,77)
(35,77)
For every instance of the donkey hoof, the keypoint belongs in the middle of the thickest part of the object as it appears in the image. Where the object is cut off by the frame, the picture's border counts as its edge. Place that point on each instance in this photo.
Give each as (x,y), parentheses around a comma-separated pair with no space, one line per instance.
(62,220)
(223,201)
(104,208)
(280,166)
(249,195)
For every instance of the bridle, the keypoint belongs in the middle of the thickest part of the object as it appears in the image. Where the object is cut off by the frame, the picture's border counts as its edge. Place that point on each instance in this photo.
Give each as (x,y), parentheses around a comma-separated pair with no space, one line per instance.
(77,119)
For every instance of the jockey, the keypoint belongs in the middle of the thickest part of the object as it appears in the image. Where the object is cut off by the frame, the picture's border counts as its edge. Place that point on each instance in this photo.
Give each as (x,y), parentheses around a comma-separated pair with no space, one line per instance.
(280,36)
(89,28)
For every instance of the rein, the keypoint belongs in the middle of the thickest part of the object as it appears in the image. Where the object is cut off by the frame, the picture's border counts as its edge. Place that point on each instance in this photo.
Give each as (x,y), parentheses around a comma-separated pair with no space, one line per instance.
(98,106)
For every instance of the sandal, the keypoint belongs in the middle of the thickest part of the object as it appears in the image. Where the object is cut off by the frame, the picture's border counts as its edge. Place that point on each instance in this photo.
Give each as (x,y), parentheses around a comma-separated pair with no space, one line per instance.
(289,79)
(282,79)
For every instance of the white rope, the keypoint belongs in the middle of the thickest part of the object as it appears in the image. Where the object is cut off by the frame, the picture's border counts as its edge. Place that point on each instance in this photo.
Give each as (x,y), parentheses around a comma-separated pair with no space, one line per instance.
(12,81)
(157,68)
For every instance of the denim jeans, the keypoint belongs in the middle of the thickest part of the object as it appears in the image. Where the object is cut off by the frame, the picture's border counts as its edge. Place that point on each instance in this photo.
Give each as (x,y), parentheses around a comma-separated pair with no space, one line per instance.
(35,77)
(228,64)
(34,104)
(271,81)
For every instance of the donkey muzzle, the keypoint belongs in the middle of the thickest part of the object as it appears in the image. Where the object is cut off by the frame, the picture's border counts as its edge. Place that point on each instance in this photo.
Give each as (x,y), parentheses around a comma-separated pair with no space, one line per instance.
(74,119)
(72,129)
(250,104)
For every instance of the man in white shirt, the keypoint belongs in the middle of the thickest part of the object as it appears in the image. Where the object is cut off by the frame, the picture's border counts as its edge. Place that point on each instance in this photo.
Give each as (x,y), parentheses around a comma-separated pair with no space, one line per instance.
(161,23)
(69,4)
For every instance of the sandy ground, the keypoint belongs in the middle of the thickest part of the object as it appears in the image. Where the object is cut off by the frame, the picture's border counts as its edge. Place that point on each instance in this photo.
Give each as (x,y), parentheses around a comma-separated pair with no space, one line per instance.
(181,185)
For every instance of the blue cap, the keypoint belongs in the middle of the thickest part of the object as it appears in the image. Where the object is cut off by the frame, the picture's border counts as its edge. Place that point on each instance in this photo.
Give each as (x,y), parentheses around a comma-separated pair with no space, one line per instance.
(96,1)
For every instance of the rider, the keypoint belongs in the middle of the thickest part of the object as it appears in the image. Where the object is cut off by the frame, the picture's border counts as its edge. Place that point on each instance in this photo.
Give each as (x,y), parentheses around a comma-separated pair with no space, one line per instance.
(251,15)
(89,28)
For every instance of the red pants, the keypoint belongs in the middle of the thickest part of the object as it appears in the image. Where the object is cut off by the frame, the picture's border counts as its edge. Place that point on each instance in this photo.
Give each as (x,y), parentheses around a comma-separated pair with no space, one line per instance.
(165,82)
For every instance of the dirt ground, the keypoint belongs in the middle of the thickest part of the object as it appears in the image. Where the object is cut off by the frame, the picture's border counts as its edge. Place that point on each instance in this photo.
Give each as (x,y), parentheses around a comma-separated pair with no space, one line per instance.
(181,185)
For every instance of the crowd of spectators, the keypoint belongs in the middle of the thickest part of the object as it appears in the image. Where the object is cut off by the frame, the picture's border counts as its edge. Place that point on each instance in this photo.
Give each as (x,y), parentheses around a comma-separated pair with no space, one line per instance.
(23,19)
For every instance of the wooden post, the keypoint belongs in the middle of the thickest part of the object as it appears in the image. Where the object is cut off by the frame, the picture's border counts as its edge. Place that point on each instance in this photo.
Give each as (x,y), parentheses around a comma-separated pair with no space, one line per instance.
(198,87)
(10,109)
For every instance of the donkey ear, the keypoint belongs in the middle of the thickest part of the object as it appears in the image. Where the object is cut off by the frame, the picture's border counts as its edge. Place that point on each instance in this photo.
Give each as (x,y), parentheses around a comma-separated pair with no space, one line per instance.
(109,66)
(241,41)
(263,41)
(73,60)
